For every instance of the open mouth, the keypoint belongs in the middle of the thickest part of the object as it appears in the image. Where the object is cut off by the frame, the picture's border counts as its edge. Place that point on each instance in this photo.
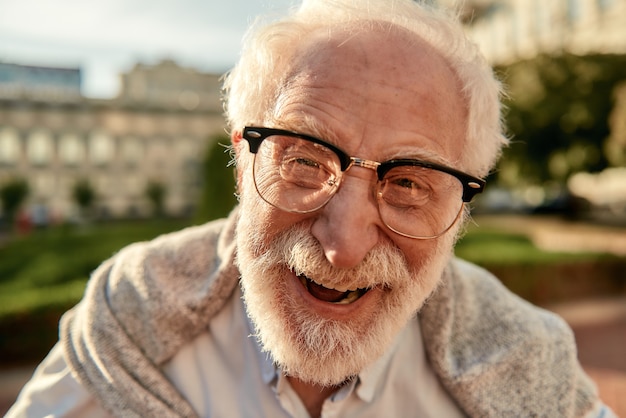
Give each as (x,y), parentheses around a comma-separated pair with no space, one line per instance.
(326,294)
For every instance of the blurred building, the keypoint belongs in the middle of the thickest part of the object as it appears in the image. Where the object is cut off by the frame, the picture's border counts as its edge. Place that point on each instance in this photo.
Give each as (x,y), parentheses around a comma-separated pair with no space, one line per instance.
(155,131)
(39,83)
(510,30)
(169,85)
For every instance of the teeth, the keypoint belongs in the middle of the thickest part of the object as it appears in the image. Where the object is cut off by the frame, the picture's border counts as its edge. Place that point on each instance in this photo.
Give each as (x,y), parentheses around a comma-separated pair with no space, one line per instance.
(304,278)
(352,296)
(339,289)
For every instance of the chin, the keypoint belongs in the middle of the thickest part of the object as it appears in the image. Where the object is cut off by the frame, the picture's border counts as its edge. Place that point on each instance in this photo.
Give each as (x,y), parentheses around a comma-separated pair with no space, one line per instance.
(321,342)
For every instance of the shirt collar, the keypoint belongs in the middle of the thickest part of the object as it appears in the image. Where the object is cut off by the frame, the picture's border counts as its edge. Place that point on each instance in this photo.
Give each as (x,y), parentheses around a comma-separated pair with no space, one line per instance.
(372,377)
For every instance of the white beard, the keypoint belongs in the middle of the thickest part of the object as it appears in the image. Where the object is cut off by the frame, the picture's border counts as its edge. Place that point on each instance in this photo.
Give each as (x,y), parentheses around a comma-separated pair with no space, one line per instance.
(301,342)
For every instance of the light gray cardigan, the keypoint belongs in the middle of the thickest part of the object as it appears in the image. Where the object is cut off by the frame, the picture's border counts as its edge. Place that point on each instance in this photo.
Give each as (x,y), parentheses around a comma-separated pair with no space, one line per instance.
(497,355)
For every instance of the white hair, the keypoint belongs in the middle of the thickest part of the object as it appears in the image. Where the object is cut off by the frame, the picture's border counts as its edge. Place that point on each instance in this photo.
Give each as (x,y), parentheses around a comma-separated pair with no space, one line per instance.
(252,87)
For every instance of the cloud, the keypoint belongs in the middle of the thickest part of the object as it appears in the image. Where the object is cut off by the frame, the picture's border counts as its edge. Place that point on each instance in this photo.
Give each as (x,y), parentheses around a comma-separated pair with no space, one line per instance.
(108,37)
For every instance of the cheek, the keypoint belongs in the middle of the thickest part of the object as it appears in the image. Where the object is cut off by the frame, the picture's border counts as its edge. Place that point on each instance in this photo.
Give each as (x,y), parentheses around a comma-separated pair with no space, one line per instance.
(260,221)
(418,253)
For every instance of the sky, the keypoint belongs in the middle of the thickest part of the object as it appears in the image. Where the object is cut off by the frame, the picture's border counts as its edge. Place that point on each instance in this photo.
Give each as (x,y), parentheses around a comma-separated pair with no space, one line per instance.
(107,37)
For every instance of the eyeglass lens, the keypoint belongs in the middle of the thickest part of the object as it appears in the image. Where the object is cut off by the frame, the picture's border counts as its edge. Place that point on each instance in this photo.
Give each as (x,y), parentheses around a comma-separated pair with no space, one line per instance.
(300,176)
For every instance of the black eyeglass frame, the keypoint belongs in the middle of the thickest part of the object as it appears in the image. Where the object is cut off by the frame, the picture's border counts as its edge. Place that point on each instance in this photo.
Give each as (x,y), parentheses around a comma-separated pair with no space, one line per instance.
(471,185)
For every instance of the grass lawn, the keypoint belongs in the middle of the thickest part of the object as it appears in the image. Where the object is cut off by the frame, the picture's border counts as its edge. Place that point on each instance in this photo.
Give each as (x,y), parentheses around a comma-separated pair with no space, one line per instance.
(496,246)
(49,268)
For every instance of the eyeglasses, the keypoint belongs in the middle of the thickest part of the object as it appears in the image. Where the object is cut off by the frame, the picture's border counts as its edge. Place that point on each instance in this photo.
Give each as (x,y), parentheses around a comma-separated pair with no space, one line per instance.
(300,173)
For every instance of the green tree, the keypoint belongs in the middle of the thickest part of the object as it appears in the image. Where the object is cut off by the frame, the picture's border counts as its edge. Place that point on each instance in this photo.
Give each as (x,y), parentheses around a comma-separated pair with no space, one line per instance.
(558,116)
(218,182)
(84,195)
(13,193)
(155,192)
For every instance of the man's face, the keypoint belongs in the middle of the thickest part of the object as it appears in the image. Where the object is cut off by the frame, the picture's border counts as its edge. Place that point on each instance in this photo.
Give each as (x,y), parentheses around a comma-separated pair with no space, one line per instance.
(328,291)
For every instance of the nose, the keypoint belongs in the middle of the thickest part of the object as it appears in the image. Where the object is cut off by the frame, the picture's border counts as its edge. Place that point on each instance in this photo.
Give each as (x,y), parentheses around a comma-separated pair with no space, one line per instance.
(349,225)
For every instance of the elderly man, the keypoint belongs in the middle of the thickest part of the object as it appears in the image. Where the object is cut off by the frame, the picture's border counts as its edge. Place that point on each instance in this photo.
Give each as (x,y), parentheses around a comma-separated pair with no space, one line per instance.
(361,131)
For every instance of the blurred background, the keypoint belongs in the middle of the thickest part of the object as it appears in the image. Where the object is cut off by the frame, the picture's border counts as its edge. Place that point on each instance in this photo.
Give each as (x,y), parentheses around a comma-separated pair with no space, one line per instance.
(111,131)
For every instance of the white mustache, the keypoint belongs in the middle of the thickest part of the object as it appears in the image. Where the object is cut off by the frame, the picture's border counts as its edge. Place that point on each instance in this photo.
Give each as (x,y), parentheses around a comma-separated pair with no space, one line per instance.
(384,266)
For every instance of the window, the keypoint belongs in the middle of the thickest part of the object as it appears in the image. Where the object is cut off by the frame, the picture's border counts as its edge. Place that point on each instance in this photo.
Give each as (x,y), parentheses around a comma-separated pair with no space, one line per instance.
(71,149)
(39,148)
(101,148)
(9,146)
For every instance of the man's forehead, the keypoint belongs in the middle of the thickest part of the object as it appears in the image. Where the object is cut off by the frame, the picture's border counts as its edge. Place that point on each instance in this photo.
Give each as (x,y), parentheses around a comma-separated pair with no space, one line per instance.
(364,42)
(378,54)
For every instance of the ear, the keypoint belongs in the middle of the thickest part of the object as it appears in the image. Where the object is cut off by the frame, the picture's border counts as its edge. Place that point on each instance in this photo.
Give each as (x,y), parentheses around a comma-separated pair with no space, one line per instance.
(236,138)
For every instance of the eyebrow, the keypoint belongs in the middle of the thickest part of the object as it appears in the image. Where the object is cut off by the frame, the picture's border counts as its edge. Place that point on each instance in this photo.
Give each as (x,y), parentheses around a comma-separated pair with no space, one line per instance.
(424,155)
(308,126)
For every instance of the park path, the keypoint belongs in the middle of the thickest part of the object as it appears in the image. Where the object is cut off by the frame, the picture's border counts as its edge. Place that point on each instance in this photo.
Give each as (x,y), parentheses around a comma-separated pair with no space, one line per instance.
(599,326)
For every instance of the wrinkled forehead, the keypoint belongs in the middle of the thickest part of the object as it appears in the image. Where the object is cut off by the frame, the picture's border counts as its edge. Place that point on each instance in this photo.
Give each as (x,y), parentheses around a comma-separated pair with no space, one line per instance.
(376,74)
(373,45)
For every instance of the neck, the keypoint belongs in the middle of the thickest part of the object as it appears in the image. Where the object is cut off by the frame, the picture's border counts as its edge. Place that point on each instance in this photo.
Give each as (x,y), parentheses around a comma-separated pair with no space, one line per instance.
(312,395)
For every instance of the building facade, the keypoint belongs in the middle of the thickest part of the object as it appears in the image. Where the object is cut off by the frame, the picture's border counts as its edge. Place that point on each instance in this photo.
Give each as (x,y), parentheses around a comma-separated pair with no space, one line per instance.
(511,30)
(118,146)
(166,84)
(40,83)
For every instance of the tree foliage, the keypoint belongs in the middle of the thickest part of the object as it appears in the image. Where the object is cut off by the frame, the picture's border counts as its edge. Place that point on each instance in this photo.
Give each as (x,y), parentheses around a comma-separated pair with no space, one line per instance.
(13,193)
(218,189)
(84,195)
(155,192)
(558,113)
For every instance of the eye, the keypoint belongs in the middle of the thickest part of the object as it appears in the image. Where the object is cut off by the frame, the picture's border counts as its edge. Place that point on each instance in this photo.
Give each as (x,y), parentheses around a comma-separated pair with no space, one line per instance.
(406,187)
(305,172)
(407,183)
(409,190)
(306,162)
(301,166)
